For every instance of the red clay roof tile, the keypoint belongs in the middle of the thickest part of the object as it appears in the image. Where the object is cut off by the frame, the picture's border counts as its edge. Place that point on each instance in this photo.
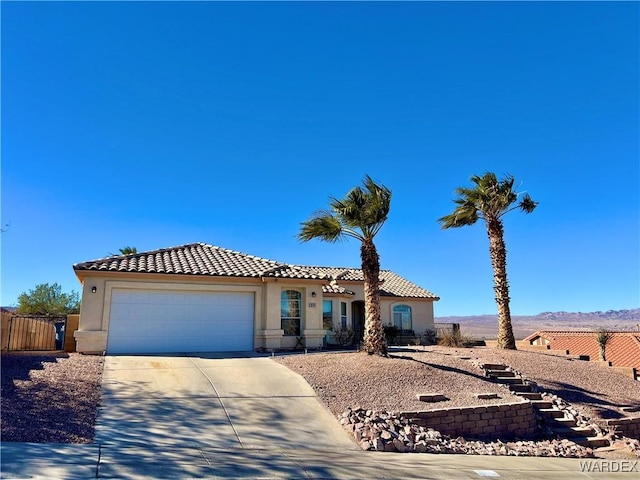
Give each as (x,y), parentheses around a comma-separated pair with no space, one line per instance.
(622,350)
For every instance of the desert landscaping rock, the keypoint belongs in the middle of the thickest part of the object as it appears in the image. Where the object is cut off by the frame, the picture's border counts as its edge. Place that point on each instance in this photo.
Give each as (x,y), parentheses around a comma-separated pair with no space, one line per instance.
(50,397)
(388,432)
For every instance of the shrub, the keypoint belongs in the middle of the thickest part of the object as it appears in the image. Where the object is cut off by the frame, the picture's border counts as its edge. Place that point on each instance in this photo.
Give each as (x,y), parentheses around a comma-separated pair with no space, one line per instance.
(343,336)
(602,337)
(455,339)
(391,333)
(429,337)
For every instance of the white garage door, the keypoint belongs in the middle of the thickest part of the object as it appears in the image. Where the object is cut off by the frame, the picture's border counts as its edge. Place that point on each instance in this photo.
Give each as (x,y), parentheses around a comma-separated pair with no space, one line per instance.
(157,321)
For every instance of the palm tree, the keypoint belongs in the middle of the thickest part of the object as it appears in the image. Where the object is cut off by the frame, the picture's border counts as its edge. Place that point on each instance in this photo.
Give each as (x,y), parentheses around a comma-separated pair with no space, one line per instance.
(489,200)
(359,215)
(126,251)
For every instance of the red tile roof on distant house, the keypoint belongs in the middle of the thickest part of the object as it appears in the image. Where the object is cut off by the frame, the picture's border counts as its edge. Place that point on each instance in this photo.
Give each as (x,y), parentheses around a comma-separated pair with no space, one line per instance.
(622,350)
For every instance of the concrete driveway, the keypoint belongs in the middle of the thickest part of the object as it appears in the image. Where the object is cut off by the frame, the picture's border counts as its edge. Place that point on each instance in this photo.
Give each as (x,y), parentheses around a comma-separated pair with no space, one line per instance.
(211,400)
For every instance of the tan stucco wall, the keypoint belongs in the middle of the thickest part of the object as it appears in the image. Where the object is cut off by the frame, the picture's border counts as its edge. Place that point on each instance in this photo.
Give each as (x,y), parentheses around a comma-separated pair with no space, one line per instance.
(421,312)
(92,333)
(311,322)
(421,308)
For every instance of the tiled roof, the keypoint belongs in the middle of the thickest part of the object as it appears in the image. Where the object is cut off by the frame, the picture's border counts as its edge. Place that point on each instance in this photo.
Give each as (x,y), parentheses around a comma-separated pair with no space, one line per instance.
(622,350)
(197,259)
(337,289)
(209,260)
(392,284)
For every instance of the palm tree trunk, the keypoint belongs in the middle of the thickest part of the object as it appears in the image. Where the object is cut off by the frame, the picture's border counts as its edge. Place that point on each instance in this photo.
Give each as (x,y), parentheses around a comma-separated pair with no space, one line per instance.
(603,355)
(374,339)
(498,253)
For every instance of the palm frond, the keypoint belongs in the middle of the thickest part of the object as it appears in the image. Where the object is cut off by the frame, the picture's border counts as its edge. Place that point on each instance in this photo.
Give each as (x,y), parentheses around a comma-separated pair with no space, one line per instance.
(461,217)
(364,208)
(488,198)
(527,205)
(322,225)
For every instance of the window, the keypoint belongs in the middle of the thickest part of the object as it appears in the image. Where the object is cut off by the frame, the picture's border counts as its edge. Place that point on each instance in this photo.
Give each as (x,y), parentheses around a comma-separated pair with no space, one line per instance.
(327,314)
(402,317)
(290,312)
(343,315)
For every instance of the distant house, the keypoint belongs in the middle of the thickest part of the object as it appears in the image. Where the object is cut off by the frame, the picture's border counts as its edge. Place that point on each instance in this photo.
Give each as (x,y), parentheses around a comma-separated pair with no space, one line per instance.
(623,349)
(202,298)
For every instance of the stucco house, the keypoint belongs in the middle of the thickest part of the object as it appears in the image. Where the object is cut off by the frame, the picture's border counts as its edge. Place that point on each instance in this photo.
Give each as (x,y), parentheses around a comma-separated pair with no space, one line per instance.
(202,298)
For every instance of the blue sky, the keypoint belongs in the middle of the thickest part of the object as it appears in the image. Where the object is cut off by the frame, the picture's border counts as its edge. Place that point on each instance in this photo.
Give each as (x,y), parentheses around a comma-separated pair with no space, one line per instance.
(160,124)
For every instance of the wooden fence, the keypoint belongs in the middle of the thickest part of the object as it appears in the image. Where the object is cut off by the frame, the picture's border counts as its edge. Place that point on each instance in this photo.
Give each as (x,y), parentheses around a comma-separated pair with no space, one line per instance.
(38,332)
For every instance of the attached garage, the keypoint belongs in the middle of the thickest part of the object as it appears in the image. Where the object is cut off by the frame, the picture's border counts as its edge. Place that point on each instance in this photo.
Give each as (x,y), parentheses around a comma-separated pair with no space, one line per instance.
(156,321)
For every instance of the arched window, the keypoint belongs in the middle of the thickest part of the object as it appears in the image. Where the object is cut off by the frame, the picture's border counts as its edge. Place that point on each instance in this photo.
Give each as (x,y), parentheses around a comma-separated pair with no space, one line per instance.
(402,317)
(290,312)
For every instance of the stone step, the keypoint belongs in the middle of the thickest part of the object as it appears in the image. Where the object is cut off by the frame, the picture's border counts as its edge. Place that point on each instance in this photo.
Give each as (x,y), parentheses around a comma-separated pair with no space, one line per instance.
(511,380)
(517,388)
(630,408)
(500,373)
(610,448)
(530,395)
(494,366)
(551,412)
(542,404)
(431,397)
(486,396)
(572,432)
(593,442)
(564,421)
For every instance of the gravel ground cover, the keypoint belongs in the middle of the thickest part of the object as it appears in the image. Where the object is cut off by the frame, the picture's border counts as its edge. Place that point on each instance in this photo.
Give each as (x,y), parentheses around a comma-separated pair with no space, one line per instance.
(353,379)
(54,397)
(49,397)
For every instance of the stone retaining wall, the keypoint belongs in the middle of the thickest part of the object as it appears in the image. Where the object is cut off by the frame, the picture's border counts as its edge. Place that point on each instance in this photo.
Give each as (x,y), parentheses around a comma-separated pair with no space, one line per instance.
(507,420)
(629,427)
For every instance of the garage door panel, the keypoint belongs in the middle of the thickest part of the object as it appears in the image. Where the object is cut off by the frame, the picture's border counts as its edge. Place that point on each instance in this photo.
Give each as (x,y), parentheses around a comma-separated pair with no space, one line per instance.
(165,321)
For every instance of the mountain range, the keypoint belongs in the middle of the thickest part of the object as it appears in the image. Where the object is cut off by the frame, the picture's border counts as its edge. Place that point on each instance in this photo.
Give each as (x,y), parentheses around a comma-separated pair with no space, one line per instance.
(486,326)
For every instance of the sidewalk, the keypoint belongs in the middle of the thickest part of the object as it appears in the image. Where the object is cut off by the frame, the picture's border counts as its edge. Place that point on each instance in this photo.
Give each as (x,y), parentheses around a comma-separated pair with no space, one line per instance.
(70,462)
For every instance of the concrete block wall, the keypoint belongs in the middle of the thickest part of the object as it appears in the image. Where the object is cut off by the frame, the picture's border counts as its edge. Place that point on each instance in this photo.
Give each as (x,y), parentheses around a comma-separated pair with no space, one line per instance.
(629,427)
(507,420)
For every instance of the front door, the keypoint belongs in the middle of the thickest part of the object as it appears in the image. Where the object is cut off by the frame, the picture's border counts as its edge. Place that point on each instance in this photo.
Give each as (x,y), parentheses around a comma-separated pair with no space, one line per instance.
(357,319)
